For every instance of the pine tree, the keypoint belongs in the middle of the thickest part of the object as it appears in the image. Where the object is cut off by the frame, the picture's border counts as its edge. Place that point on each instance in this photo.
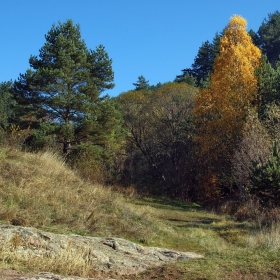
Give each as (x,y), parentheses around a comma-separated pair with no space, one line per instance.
(265,178)
(65,81)
(6,103)
(202,66)
(268,84)
(268,37)
(141,84)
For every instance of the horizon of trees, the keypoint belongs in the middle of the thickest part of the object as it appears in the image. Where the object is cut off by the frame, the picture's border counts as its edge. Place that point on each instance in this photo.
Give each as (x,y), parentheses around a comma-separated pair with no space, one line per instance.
(209,136)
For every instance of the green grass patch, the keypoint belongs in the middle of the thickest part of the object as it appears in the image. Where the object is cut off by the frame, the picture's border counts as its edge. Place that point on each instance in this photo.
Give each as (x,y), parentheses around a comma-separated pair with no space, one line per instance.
(222,241)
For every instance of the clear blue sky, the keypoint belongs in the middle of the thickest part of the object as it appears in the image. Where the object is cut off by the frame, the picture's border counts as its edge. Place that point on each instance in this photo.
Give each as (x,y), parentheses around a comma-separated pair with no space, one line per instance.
(153,38)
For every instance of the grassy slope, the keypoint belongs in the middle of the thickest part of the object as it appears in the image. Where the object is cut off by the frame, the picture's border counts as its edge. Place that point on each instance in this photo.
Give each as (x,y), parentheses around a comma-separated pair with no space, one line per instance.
(38,190)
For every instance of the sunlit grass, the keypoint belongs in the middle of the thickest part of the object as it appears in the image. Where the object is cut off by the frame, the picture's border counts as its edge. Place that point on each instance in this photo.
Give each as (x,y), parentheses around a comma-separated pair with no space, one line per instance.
(39,190)
(68,261)
(266,238)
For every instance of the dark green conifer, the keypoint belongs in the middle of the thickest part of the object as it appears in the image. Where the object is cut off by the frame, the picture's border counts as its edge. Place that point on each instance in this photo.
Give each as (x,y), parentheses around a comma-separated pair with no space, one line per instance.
(65,82)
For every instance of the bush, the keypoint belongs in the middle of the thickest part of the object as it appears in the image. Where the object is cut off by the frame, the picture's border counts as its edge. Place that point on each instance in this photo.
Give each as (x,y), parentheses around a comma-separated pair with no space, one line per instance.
(87,161)
(265,178)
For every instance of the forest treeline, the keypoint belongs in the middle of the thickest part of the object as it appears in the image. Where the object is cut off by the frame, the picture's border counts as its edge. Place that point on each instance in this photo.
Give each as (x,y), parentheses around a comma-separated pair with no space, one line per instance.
(211,135)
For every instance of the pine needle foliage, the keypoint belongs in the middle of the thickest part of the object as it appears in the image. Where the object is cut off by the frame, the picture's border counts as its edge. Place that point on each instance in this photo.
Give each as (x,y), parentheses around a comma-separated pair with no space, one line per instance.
(265,178)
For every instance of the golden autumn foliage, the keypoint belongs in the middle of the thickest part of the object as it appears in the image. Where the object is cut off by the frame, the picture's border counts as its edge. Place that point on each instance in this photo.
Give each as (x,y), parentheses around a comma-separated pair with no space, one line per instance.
(221,109)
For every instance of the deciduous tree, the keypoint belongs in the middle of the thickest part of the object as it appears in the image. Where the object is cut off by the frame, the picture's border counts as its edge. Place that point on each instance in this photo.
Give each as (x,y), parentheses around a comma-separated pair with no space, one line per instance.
(255,146)
(160,125)
(221,108)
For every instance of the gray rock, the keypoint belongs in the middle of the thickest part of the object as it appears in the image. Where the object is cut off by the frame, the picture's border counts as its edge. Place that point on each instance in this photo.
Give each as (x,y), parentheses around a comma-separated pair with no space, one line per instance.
(108,255)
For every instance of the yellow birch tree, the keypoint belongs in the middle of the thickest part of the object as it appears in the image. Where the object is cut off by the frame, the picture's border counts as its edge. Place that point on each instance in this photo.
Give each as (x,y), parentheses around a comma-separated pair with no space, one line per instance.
(221,109)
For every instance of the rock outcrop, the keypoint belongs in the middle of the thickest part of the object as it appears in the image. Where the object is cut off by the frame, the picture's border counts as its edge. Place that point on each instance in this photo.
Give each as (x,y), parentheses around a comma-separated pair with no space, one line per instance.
(109,256)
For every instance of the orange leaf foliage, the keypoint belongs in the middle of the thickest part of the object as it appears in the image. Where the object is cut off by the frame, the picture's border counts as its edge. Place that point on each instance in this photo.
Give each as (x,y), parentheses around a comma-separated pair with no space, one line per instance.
(221,108)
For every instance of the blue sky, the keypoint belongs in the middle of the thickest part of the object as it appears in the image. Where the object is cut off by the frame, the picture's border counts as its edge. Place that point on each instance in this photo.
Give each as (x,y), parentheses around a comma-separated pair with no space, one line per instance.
(153,38)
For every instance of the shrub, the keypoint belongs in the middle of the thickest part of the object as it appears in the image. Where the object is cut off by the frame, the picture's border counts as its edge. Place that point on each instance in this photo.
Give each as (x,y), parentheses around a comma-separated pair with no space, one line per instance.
(265,178)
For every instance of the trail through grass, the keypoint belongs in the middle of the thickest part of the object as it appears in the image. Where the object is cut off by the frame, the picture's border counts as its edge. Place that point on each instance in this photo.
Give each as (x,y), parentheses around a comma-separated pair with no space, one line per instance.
(224,243)
(39,190)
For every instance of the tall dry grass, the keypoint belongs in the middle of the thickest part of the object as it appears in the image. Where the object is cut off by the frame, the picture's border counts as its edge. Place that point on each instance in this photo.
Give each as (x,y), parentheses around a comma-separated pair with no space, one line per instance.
(266,237)
(39,190)
(64,262)
(265,223)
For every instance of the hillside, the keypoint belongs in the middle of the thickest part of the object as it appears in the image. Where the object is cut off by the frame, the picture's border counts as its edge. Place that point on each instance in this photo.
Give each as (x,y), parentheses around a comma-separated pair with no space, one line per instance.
(39,191)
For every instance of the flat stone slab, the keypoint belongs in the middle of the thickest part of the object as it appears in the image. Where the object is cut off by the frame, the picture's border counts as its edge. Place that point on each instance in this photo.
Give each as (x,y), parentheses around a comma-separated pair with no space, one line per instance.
(106,255)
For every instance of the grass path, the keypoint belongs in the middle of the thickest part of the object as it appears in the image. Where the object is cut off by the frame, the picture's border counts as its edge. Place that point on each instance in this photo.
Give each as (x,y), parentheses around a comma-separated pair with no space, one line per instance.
(222,241)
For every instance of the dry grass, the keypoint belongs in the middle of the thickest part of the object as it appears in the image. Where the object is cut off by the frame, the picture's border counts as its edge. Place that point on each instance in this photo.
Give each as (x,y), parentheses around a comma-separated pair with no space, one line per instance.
(223,241)
(65,262)
(266,238)
(39,190)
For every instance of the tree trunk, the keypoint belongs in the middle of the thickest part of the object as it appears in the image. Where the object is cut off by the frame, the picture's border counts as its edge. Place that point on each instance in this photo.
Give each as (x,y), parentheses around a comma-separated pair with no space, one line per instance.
(66,147)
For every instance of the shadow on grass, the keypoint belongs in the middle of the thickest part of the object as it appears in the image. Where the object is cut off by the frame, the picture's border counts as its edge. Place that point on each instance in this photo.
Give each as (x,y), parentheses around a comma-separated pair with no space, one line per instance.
(203,221)
(214,224)
(185,215)
(168,204)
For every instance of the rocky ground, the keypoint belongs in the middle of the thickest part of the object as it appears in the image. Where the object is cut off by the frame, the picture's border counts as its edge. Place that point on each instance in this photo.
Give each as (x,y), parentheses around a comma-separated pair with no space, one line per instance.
(109,256)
